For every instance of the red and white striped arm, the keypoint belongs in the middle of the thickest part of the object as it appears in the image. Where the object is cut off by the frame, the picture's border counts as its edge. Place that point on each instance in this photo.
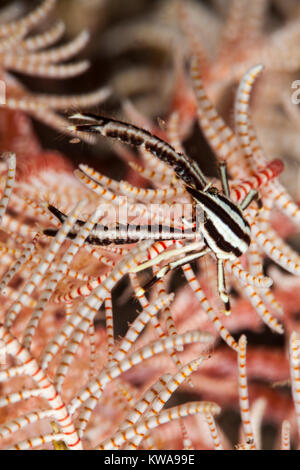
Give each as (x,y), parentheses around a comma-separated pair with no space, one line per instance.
(135,358)
(43,40)
(294,351)
(213,431)
(43,266)
(243,393)
(10,158)
(286,435)
(218,134)
(87,311)
(59,274)
(164,417)
(46,389)
(223,332)
(30,20)
(241,113)
(163,396)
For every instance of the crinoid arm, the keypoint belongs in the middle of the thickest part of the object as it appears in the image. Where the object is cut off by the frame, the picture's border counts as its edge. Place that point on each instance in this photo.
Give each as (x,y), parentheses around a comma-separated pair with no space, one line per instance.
(26,55)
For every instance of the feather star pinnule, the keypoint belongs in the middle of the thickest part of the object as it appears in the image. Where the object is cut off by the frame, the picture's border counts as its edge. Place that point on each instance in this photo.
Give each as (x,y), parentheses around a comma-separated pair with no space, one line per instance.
(62,366)
(22,53)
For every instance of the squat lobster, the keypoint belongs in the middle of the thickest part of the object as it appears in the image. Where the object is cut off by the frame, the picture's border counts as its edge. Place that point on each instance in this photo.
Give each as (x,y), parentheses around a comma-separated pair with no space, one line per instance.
(225,231)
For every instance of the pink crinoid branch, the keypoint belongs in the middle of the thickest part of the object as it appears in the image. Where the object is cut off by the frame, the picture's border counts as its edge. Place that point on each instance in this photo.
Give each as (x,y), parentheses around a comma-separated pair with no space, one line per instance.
(24,53)
(62,260)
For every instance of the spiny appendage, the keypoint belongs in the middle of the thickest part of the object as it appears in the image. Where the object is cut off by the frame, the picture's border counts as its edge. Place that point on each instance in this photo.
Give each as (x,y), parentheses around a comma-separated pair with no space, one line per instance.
(183,167)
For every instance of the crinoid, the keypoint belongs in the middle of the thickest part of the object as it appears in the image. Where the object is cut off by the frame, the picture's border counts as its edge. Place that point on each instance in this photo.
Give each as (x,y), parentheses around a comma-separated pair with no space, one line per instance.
(67,379)
(23,53)
(229,37)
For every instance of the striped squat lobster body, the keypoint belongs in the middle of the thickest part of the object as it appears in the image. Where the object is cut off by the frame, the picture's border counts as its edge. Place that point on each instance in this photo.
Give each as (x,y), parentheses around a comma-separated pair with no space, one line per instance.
(223,227)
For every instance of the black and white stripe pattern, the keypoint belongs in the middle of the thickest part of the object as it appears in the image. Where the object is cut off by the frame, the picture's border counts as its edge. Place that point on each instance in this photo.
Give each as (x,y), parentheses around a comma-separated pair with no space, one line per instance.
(222,224)
(224,227)
(185,168)
(120,234)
